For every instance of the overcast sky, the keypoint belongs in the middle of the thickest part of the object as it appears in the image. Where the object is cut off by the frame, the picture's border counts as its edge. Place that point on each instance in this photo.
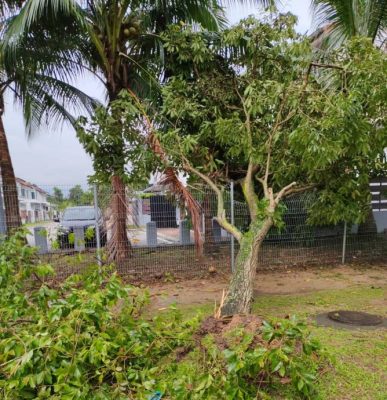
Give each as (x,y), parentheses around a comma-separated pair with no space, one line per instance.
(55,157)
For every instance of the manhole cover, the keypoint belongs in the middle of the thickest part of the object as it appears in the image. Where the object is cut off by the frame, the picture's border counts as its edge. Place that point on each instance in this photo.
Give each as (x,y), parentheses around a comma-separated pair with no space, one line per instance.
(355,318)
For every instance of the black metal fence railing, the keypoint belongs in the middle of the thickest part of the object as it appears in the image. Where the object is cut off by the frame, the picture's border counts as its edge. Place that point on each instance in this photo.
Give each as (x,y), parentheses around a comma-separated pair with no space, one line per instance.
(153,237)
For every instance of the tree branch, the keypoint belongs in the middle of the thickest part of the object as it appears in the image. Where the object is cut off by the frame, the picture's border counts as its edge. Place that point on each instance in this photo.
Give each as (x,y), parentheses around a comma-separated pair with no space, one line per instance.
(264,185)
(221,212)
(326,66)
(291,189)
(249,192)
(283,191)
(247,183)
(277,124)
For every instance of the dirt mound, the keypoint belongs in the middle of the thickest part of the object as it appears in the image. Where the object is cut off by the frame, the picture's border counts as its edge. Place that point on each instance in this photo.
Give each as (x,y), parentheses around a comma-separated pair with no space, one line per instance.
(251,323)
(219,327)
(212,325)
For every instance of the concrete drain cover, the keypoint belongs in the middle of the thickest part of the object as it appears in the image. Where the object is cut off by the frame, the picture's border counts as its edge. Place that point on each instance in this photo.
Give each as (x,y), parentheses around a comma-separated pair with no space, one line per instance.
(343,319)
(355,318)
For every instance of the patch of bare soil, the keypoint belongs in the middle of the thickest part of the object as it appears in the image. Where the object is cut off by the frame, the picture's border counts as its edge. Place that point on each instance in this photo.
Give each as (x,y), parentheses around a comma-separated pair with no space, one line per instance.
(218,328)
(285,281)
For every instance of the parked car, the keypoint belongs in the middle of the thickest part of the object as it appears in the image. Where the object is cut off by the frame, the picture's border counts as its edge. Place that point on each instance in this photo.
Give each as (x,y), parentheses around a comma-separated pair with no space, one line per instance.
(81,216)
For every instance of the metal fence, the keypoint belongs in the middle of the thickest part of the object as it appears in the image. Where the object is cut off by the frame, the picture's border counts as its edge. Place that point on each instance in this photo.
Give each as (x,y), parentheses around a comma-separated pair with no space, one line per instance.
(72,228)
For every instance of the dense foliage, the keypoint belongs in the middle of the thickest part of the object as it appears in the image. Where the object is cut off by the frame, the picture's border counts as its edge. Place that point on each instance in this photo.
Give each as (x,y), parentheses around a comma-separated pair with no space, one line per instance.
(256,94)
(88,339)
(84,340)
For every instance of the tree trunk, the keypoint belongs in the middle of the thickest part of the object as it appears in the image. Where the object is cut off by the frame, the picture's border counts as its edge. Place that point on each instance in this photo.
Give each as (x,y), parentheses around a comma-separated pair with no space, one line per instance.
(119,246)
(240,292)
(11,201)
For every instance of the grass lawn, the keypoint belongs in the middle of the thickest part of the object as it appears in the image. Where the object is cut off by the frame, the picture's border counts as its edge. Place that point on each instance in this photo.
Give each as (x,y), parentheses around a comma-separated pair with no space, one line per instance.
(359,367)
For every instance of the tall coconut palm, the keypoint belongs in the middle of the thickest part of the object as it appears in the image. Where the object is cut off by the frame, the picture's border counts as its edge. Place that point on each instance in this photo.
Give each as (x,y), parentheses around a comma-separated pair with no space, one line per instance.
(118,40)
(37,81)
(338,20)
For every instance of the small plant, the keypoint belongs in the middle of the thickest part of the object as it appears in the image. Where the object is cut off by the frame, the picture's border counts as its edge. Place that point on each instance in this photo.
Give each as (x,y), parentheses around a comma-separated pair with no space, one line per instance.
(169,277)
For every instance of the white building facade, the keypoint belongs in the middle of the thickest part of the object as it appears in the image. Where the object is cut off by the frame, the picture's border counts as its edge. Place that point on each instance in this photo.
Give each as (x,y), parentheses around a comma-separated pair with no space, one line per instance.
(33,202)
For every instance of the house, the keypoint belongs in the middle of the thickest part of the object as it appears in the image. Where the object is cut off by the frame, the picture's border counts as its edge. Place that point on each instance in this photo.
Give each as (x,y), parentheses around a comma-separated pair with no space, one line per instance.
(33,203)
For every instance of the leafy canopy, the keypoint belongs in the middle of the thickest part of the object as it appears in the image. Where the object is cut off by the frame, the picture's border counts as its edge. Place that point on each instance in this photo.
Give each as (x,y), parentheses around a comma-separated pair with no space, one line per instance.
(251,103)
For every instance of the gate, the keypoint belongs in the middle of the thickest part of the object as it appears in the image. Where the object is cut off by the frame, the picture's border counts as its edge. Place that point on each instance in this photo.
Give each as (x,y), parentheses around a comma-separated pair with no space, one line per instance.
(163,212)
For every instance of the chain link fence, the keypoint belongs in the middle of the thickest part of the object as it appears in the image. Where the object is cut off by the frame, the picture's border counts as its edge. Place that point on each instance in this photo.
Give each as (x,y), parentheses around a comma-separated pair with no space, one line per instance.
(73,227)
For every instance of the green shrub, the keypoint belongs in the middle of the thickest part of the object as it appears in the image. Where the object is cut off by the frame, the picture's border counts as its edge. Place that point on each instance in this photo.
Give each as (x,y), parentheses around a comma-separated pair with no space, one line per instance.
(84,340)
(88,339)
(248,365)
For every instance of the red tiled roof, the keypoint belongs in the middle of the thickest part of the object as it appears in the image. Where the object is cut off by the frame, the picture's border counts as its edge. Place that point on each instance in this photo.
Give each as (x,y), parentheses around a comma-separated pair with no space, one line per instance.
(30,185)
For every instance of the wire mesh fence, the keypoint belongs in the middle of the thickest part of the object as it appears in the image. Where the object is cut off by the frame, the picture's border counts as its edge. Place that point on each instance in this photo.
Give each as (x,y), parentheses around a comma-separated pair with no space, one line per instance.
(149,235)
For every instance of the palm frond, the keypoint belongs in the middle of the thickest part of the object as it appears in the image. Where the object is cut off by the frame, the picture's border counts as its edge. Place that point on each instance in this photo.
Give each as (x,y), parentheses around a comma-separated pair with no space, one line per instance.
(338,20)
(50,101)
(34,12)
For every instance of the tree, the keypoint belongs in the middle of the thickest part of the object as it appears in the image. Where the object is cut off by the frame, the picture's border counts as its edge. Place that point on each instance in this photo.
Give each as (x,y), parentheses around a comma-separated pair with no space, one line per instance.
(340,20)
(119,41)
(57,196)
(75,194)
(39,82)
(87,197)
(255,99)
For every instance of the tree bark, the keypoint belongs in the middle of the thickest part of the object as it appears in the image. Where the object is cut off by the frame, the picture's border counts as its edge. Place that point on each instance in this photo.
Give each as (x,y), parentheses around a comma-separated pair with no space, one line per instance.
(11,201)
(119,245)
(240,293)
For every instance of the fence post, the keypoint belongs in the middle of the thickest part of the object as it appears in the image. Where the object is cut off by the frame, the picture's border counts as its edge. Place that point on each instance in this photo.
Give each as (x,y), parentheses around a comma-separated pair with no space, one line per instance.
(79,238)
(184,232)
(3,226)
(40,236)
(151,234)
(344,243)
(97,232)
(232,222)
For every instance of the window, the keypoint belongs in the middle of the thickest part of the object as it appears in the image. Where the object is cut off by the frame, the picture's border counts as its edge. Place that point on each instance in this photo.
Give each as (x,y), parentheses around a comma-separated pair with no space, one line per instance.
(33,195)
(23,193)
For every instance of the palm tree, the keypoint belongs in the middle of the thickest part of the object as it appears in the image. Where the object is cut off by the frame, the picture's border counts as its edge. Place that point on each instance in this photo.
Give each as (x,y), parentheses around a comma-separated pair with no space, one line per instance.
(36,80)
(339,20)
(119,40)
